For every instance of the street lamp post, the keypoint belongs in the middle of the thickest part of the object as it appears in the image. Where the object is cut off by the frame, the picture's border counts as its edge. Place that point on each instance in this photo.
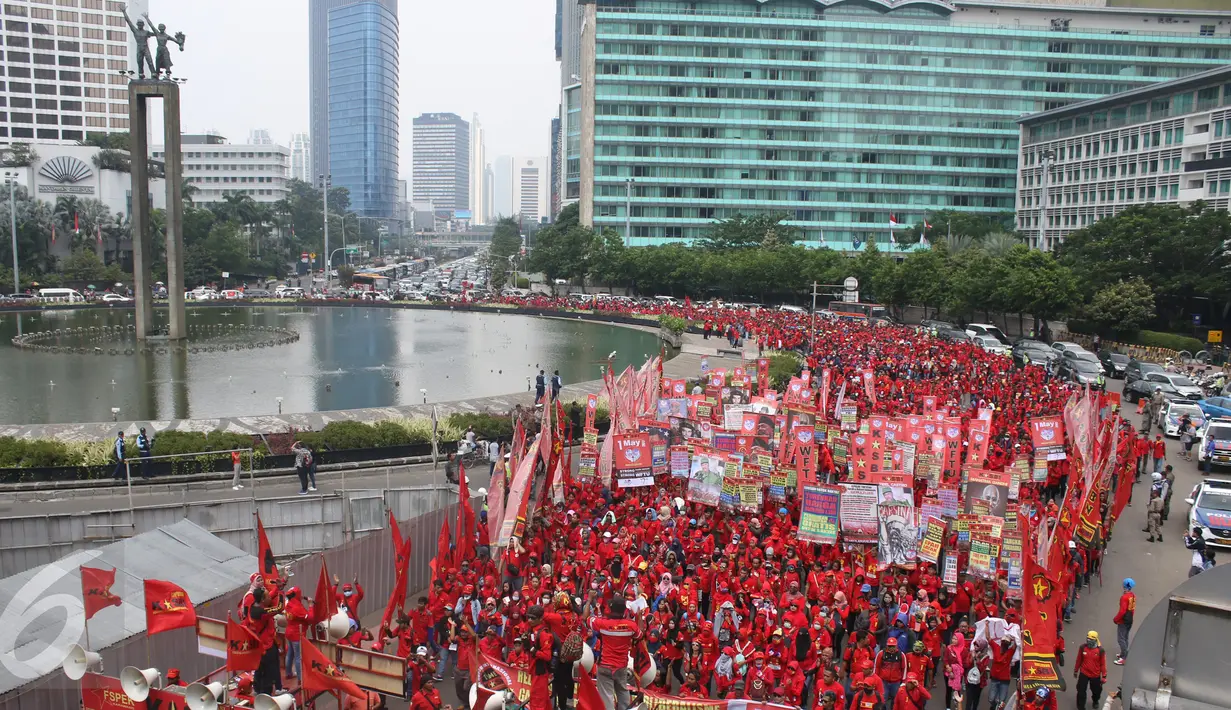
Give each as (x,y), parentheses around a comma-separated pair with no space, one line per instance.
(11,179)
(326,181)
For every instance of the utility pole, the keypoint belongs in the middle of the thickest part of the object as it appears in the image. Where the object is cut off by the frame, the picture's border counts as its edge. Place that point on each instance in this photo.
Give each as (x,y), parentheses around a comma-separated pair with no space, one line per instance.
(812,346)
(326,180)
(628,212)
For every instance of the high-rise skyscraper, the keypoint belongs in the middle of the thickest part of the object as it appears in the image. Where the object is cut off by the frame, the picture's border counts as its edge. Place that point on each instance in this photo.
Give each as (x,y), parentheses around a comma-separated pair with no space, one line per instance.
(529,179)
(566,138)
(842,117)
(353,64)
(260,136)
(440,172)
(63,69)
(301,157)
(478,166)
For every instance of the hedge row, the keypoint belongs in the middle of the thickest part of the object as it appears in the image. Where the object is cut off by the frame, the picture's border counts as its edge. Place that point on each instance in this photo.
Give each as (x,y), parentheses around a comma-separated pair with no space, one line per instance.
(1171,341)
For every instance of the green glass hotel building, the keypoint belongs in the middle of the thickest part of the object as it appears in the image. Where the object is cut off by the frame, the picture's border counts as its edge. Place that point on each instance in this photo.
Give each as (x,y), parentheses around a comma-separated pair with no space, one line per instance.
(844,115)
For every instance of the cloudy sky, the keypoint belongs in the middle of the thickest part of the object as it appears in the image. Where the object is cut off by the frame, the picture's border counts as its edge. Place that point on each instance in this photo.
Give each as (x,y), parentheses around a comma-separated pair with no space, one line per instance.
(246,62)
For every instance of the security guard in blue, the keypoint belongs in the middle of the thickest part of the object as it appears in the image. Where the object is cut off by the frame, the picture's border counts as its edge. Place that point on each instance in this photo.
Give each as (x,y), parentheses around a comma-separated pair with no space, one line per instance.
(144,444)
(119,472)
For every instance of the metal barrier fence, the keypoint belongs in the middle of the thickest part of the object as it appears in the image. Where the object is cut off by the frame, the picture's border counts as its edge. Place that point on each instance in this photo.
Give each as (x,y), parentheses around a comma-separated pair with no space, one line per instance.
(368,555)
(296,525)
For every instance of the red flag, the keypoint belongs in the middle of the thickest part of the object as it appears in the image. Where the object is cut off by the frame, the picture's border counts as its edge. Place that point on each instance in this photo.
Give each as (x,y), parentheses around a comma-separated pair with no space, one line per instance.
(319,673)
(397,597)
(243,647)
(465,517)
(323,604)
(1040,612)
(76,223)
(396,532)
(443,556)
(96,590)
(587,693)
(264,554)
(167,607)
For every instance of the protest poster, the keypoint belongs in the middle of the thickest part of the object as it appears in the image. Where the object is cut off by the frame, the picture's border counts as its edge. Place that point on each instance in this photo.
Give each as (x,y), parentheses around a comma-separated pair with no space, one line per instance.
(890,478)
(632,460)
(931,508)
(728,499)
(778,483)
(987,492)
(1011,561)
(980,562)
(723,440)
(908,455)
(950,573)
(733,466)
(818,514)
(1019,472)
(857,513)
(862,458)
(760,427)
(928,469)
(749,494)
(733,418)
(897,534)
(961,526)
(1047,433)
(659,435)
(587,461)
(591,410)
(933,540)
(948,500)
(705,478)
(848,415)
(705,365)
(1039,471)
(681,464)
(590,437)
(839,451)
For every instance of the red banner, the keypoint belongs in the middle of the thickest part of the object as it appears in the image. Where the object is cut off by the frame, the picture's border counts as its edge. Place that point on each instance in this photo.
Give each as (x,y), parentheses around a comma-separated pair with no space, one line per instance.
(319,673)
(869,385)
(265,563)
(951,465)
(1040,613)
(824,404)
(591,408)
(243,647)
(1047,434)
(979,443)
(167,607)
(96,590)
(100,692)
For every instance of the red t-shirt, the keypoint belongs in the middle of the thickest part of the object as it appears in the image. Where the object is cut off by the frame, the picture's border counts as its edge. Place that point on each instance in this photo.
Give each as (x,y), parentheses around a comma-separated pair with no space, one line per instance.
(618,636)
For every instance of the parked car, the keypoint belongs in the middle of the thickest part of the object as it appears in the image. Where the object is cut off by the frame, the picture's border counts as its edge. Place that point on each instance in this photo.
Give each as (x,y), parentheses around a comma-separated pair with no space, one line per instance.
(1062,345)
(1137,369)
(1038,353)
(954,334)
(1114,363)
(115,298)
(1086,355)
(976,329)
(1171,413)
(1215,407)
(1143,388)
(990,344)
(1183,385)
(1210,510)
(1081,372)
(258,293)
(937,325)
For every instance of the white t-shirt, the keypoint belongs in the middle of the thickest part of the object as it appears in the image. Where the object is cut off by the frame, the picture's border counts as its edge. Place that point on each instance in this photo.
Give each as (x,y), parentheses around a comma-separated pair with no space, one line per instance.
(493,452)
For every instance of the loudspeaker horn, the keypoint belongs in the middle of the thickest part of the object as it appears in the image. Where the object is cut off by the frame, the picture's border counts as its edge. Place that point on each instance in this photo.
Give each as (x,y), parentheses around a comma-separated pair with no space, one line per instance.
(587,658)
(201,696)
(136,682)
(274,702)
(338,626)
(79,661)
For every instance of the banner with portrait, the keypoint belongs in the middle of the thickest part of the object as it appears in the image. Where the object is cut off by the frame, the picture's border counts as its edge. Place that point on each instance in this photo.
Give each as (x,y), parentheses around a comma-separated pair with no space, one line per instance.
(705,477)
(987,492)
(897,531)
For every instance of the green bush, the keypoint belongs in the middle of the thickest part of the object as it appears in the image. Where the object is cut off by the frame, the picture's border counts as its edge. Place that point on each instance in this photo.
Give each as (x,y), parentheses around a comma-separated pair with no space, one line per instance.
(1172,341)
(35,453)
(672,323)
(782,367)
(341,435)
(487,426)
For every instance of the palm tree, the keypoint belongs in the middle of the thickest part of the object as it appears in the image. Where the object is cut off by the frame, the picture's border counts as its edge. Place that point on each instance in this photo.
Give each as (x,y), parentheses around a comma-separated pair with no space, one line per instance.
(188,190)
(958,243)
(997,244)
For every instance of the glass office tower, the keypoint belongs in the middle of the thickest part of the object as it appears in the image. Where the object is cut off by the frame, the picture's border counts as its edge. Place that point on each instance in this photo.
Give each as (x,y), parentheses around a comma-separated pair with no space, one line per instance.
(363,105)
(841,115)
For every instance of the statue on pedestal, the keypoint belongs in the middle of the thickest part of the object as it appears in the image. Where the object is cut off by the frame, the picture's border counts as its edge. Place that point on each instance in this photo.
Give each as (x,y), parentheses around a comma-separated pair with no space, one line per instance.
(160,66)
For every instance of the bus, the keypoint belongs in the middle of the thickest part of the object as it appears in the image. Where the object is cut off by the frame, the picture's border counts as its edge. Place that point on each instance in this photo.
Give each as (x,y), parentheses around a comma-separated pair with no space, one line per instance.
(369,281)
(859,311)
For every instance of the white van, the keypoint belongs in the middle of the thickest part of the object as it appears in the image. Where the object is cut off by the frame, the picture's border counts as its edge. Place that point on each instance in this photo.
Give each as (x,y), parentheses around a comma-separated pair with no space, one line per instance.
(60,295)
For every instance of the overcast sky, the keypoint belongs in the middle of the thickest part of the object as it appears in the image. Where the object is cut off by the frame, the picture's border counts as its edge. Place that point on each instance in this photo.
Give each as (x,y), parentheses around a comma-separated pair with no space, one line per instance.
(246,62)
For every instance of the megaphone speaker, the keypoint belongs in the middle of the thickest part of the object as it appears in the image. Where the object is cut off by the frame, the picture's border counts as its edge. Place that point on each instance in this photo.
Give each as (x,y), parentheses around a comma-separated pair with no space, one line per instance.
(338,626)
(79,661)
(201,696)
(274,702)
(136,682)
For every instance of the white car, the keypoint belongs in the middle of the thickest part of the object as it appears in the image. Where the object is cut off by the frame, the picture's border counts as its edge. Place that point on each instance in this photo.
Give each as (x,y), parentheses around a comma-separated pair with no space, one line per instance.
(1219,430)
(115,298)
(1183,385)
(1173,410)
(991,344)
(976,329)
(792,309)
(1210,510)
(1062,345)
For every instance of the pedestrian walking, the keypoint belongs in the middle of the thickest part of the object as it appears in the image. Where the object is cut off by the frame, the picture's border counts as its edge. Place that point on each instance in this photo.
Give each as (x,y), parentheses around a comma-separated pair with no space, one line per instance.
(144,446)
(540,386)
(1159,452)
(1124,620)
(493,457)
(121,469)
(238,468)
(556,385)
(1090,670)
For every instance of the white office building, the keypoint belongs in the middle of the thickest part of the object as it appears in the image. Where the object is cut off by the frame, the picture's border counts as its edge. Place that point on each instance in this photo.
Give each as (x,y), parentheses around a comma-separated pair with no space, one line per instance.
(218,168)
(478,167)
(1168,143)
(301,157)
(530,180)
(61,69)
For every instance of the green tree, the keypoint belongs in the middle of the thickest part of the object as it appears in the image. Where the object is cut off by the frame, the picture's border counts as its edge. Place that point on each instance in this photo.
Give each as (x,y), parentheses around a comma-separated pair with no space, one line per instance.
(506,242)
(1123,307)
(607,259)
(346,275)
(19,155)
(748,231)
(1180,251)
(925,277)
(562,250)
(1032,281)
(942,223)
(85,266)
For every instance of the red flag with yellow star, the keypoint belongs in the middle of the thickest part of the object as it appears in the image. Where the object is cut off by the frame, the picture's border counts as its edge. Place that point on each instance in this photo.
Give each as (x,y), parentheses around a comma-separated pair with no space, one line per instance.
(1041,613)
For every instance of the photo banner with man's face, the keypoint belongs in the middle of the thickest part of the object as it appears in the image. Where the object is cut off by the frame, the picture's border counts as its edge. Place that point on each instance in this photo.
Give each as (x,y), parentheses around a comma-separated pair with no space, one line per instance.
(987,492)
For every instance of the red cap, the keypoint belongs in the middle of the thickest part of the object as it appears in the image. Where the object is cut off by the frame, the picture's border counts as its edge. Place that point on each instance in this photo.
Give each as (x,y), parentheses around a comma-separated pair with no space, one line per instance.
(892,642)
(468,589)
(912,677)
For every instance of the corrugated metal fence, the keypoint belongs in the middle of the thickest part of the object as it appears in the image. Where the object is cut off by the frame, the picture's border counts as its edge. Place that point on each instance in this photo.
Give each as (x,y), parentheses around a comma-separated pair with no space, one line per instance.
(294,525)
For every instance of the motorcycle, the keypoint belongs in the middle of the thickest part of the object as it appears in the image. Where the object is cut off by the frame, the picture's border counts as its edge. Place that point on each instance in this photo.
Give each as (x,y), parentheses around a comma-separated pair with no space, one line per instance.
(472,454)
